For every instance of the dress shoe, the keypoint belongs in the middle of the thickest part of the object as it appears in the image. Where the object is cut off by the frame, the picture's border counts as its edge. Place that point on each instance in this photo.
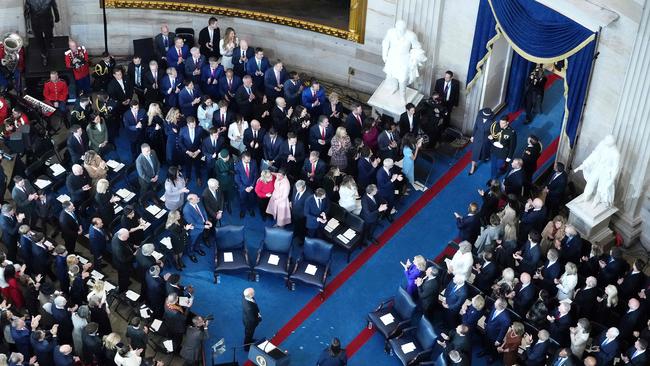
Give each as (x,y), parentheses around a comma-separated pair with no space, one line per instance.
(241,215)
(193,259)
(201,252)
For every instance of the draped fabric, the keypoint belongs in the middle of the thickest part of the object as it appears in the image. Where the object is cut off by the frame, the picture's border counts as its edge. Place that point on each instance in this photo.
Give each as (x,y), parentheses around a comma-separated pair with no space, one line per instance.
(539,35)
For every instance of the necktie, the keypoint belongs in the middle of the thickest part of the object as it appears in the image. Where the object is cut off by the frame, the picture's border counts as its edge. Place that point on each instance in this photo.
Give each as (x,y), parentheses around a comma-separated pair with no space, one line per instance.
(254,135)
(223,118)
(191,92)
(172,82)
(212,72)
(559,361)
(313,93)
(165,41)
(196,207)
(636,353)
(248,90)
(259,65)
(293,149)
(180,54)
(494,315)
(135,116)
(191,135)
(229,83)
(243,53)
(318,203)
(298,196)
(358,118)
(80,143)
(277,77)
(605,342)
(322,132)
(122,86)
(313,168)
(149,160)
(214,142)
(137,76)
(272,142)
(247,170)
(456,288)
(155,77)
(390,136)
(446,89)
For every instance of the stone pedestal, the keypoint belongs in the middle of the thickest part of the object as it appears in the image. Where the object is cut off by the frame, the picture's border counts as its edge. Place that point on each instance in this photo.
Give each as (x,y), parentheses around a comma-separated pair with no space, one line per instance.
(383,101)
(592,222)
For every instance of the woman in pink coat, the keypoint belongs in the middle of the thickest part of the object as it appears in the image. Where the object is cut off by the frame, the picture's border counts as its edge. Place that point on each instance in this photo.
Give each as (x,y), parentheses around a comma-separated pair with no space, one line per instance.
(279,202)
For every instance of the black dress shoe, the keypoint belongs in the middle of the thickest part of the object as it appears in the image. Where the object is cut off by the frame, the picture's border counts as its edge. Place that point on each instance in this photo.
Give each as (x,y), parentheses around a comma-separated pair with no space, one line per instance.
(193,258)
(201,252)
(241,215)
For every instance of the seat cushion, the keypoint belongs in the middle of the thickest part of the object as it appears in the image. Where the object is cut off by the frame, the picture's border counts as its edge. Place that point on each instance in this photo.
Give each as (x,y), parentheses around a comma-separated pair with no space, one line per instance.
(314,280)
(384,329)
(238,262)
(396,345)
(265,266)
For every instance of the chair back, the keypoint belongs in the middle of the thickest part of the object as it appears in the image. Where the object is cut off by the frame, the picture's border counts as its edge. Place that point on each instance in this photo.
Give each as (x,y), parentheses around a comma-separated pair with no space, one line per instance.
(404,304)
(230,237)
(317,250)
(187,34)
(277,240)
(337,212)
(354,222)
(426,334)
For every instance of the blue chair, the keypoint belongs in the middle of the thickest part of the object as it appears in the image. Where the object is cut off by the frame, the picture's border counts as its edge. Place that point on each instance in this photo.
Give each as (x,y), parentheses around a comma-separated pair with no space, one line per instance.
(316,255)
(231,255)
(276,246)
(423,338)
(401,308)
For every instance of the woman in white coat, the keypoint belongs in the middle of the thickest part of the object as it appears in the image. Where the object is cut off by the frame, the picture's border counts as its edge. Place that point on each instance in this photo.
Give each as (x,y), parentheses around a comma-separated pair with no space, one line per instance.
(566,285)
(461,263)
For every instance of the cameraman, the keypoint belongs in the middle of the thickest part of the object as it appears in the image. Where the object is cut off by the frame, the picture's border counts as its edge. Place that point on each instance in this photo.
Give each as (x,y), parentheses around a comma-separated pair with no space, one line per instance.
(192,348)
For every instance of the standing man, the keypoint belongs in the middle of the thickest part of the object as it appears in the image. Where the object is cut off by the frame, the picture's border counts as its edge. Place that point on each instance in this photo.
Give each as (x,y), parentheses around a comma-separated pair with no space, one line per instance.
(244,98)
(320,136)
(76,59)
(313,98)
(240,56)
(293,89)
(529,158)
(245,178)
(252,316)
(210,75)
(354,122)
(148,166)
(196,334)
(195,214)
(386,185)
(209,39)
(316,209)
(254,140)
(24,197)
(189,140)
(70,226)
(134,121)
(194,64)
(10,222)
(122,258)
(135,73)
(449,89)
(555,188)
(298,198)
(370,210)
(161,44)
(256,67)
(409,122)
(504,142)
(274,79)
(189,99)
(55,92)
(177,54)
(42,15)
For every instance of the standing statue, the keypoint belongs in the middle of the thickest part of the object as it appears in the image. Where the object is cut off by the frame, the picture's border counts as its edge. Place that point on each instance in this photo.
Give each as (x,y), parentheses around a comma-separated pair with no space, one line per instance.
(600,170)
(400,45)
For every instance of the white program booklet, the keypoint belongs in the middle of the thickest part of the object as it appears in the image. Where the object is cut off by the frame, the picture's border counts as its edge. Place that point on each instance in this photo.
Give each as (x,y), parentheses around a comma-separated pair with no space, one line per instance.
(42,183)
(349,233)
(167,242)
(266,346)
(57,169)
(408,347)
(62,198)
(131,295)
(155,324)
(153,209)
(156,255)
(227,257)
(274,259)
(311,269)
(185,301)
(387,319)
(169,345)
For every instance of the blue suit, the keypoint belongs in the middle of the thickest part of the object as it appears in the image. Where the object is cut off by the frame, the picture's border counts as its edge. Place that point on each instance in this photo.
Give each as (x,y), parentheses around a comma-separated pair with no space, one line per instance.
(198,220)
(169,90)
(469,227)
(172,58)
(272,150)
(308,99)
(571,249)
(185,100)
(97,241)
(385,187)
(496,327)
(134,135)
(532,220)
(187,144)
(454,297)
(535,355)
(191,66)
(530,258)
(366,174)
(242,181)
(292,93)
(312,213)
(227,90)
(239,65)
(607,352)
(207,73)
(252,68)
(524,298)
(271,81)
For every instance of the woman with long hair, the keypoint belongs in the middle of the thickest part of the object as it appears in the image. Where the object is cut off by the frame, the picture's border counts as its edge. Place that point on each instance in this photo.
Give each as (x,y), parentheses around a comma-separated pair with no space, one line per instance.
(264,188)
(226,45)
(178,235)
(300,122)
(95,166)
(511,343)
(97,134)
(236,133)
(332,182)
(369,133)
(567,283)
(110,343)
(333,355)
(205,112)
(410,148)
(334,110)
(172,128)
(154,131)
(349,198)
(340,146)
(279,206)
(553,231)
(175,189)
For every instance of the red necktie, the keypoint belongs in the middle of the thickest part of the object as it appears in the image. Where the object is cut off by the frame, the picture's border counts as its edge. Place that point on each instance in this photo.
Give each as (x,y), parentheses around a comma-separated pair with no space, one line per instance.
(179,52)
(358,119)
(313,168)
(246,170)
(322,133)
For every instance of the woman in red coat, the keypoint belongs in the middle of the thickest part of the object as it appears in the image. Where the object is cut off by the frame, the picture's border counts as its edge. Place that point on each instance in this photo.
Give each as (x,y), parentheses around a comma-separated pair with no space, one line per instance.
(264,190)
(12,292)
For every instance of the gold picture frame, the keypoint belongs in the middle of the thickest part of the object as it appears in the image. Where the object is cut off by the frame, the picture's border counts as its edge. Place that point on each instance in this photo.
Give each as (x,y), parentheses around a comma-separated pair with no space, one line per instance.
(355,32)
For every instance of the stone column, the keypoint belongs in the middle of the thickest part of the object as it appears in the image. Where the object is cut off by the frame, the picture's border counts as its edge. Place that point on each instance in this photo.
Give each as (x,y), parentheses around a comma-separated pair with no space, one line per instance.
(424,18)
(632,131)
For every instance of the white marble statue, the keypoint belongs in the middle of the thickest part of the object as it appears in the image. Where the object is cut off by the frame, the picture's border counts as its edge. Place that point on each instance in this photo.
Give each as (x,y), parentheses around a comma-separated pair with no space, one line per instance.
(402,54)
(600,170)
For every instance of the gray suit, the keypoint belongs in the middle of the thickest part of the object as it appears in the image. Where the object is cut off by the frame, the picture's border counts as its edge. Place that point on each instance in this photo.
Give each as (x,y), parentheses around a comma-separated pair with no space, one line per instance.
(21,198)
(192,344)
(146,172)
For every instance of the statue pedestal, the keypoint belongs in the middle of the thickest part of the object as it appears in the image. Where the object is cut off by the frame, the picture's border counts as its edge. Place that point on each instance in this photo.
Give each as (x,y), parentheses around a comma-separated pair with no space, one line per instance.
(592,222)
(385,102)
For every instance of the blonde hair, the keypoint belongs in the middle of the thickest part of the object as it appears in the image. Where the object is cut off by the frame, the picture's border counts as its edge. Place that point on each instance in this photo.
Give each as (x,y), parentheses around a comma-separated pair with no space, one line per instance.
(226,34)
(102,186)
(507,275)
(334,96)
(518,328)
(154,110)
(172,218)
(341,132)
(478,302)
(173,115)
(266,176)
(98,286)
(111,341)
(420,263)
(612,296)
(570,269)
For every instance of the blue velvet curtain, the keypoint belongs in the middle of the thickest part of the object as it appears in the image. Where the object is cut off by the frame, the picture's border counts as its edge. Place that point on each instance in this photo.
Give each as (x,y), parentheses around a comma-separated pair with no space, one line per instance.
(538,35)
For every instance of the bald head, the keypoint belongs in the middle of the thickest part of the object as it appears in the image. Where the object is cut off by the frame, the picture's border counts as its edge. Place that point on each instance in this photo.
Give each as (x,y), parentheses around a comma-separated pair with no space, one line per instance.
(249,293)
(123,234)
(77,169)
(538,203)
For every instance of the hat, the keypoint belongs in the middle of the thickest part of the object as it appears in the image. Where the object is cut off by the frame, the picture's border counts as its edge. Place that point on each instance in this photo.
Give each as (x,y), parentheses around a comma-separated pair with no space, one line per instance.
(223,153)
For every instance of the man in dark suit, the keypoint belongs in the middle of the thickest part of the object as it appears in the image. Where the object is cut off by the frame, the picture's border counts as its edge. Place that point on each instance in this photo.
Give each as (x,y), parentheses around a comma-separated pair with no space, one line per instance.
(44,212)
(555,188)
(97,241)
(177,55)
(454,297)
(135,75)
(366,168)
(386,181)
(292,155)
(606,347)
(316,208)
(246,174)
(251,316)
(148,167)
(532,219)
(428,290)
(271,148)
(513,183)
(631,321)
(193,66)
(244,98)
(152,83)
(280,116)
(293,89)
(299,196)
(409,121)
(571,245)
(195,335)
(585,298)
(254,140)
(560,320)
(274,78)
(387,142)
(313,98)
(228,86)
(135,121)
(211,73)
(525,294)
(631,283)
(194,213)
(189,99)
(77,144)
(496,325)
(154,294)
(119,90)
(485,272)
(469,226)
(93,349)
(449,89)
(535,353)
(122,256)
(528,258)
(213,201)
(136,332)
(161,44)
(189,140)
(256,67)
(211,146)
(550,271)
(209,39)
(78,185)
(354,122)
(24,197)
(636,355)
(313,170)
(222,118)
(564,357)
(70,226)
(240,56)
(371,208)
(170,86)
(320,136)
(10,222)
(612,267)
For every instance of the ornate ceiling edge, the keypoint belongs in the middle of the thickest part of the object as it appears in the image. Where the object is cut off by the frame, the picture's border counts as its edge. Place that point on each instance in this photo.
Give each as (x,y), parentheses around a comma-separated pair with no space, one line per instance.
(354,34)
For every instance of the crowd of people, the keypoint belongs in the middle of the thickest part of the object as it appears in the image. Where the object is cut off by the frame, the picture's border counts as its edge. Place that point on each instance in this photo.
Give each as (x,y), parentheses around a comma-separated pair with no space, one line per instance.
(523,285)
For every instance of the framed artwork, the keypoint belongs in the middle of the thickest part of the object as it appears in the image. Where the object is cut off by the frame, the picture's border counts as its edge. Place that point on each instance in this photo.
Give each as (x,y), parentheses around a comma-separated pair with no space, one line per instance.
(339,18)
